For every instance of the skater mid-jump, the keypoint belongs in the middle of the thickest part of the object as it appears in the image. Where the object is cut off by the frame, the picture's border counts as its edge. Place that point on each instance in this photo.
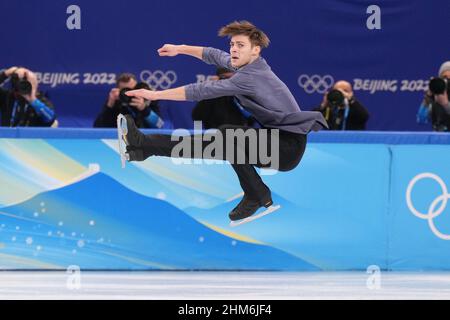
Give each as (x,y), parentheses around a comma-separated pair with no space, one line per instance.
(257,91)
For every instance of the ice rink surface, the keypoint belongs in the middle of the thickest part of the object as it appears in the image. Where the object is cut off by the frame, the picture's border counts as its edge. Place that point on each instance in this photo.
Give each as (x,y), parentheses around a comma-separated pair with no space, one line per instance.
(196,285)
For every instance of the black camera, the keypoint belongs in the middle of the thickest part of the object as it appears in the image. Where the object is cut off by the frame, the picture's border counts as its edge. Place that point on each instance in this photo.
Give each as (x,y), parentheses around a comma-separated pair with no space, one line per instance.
(335,98)
(21,86)
(439,86)
(124,99)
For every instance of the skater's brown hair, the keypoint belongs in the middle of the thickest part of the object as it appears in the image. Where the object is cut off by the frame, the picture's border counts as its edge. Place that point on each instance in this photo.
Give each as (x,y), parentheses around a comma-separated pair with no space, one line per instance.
(257,37)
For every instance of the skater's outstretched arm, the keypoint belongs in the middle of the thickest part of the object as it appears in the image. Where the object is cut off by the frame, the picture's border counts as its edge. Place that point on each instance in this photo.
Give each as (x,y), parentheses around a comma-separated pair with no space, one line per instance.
(171,50)
(239,84)
(208,55)
(176,94)
(198,91)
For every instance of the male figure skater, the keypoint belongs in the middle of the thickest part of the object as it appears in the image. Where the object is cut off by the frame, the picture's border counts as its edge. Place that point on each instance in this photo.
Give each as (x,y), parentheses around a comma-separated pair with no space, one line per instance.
(258,92)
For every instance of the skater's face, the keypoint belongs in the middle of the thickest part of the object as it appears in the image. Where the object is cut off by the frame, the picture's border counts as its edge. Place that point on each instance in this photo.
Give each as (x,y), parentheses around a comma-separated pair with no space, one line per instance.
(242,51)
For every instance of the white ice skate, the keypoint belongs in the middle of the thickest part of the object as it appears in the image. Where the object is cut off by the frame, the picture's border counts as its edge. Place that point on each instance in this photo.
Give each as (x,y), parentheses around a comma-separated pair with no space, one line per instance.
(268,210)
(122,131)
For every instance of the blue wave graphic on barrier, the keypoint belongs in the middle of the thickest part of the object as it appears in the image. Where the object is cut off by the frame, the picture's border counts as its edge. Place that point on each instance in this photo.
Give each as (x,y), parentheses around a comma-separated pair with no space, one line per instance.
(98,223)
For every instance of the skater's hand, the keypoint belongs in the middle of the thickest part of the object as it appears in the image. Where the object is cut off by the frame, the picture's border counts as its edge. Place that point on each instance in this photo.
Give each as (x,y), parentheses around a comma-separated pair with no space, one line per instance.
(138,102)
(168,50)
(142,93)
(113,96)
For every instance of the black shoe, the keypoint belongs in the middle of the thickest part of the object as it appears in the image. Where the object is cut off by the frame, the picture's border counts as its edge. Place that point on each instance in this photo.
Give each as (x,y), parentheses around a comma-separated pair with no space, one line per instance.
(131,134)
(135,154)
(247,207)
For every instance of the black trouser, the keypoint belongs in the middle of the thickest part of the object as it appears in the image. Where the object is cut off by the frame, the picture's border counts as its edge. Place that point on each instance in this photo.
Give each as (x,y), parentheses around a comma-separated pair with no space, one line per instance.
(291,149)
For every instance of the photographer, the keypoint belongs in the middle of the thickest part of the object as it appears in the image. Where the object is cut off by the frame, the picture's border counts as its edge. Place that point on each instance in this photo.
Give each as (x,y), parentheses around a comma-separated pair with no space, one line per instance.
(435,106)
(23,105)
(341,110)
(144,112)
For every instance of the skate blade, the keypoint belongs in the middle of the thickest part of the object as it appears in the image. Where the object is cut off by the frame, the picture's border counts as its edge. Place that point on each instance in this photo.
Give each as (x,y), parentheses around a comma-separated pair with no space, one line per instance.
(121,131)
(269,210)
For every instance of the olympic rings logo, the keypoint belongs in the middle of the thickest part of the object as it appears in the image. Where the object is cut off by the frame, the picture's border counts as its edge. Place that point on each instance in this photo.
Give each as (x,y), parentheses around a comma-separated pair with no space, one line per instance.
(159,79)
(315,83)
(431,214)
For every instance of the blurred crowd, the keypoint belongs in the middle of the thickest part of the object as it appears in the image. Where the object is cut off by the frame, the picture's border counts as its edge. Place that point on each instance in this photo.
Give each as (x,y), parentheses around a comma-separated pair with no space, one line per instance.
(22,104)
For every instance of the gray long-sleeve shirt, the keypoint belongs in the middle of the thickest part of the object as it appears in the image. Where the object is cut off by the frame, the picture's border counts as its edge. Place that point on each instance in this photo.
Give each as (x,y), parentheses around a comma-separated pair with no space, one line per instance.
(259,91)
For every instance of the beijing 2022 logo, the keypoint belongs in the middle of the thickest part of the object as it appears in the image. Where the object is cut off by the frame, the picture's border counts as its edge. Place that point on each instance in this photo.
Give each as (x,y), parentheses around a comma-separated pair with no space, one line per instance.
(432,211)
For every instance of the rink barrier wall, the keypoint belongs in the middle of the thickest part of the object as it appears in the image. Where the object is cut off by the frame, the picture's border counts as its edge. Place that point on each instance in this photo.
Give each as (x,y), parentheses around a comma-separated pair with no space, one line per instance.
(357,199)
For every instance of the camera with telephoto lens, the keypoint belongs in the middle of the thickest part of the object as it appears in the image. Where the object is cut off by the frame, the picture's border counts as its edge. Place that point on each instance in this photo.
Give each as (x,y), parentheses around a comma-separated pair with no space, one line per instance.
(439,86)
(21,86)
(123,98)
(335,98)
(126,100)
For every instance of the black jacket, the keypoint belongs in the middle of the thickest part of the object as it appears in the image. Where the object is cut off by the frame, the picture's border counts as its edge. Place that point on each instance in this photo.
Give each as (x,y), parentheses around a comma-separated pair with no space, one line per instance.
(26,115)
(108,116)
(440,118)
(356,119)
